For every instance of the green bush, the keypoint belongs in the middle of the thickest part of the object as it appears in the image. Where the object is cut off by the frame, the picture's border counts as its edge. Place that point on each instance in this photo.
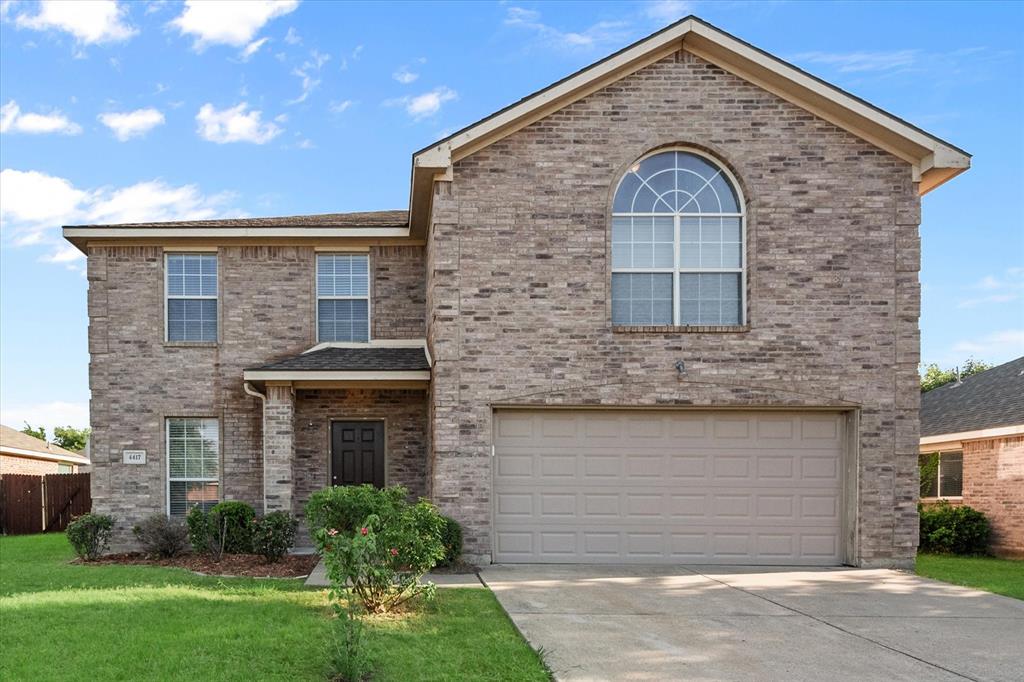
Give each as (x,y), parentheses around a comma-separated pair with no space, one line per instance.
(451,538)
(161,536)
(345,508)
(380,562)
(273,535)
(946,529)
(89,534)
(198,529)
(239,518)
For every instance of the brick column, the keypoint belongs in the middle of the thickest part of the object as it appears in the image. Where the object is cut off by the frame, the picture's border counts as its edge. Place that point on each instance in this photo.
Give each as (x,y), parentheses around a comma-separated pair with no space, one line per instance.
(279,449)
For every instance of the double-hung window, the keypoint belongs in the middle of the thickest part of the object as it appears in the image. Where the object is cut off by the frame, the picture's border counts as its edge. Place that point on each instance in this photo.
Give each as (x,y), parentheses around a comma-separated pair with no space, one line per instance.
(944,477)
(193,464)
(343,297)
(677,244)
(191,297)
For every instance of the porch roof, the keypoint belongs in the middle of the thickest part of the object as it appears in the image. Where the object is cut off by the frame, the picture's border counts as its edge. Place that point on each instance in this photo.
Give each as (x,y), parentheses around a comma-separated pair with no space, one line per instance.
(348,363)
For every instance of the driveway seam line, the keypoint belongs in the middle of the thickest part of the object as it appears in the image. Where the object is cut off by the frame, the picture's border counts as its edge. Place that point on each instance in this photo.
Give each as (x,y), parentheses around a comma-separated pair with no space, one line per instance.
(848,632)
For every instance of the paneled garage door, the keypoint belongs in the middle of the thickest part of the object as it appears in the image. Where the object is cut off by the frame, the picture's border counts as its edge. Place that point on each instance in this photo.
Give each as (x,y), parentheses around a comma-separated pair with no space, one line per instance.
(596,486)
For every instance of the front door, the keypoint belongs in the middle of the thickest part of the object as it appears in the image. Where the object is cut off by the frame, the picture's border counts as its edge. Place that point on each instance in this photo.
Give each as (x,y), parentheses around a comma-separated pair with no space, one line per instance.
(357,453)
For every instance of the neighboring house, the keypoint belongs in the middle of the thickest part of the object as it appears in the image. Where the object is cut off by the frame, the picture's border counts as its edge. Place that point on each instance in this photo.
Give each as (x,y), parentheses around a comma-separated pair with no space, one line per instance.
(976,426)
(21,453)
(664,310)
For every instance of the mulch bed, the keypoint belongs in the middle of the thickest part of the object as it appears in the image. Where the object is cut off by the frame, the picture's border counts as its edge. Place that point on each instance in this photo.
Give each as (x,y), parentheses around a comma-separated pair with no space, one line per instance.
(242,565)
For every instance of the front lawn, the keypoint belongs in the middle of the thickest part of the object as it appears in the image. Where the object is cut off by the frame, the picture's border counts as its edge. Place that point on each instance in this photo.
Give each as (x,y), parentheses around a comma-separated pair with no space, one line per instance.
(1002,576)
(65,621)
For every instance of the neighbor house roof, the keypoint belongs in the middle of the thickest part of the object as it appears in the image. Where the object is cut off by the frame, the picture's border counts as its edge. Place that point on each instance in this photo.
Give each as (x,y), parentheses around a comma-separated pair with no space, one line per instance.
(14,442)
(988,400)
(349,362)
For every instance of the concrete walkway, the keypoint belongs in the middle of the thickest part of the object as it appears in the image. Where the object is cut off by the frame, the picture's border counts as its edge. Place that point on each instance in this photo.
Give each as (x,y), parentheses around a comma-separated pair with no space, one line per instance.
(739,623)
(318,578)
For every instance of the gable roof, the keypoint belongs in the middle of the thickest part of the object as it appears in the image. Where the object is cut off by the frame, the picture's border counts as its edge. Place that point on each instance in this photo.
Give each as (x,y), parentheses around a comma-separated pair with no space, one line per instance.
(990,399)
(14,442)
(934,160)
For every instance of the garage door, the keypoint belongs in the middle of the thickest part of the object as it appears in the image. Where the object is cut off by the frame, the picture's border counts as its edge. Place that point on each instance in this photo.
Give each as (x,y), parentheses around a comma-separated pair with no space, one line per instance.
(594,486)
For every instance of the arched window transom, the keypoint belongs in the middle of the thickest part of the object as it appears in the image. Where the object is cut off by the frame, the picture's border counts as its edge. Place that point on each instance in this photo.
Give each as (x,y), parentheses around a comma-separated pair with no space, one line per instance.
(677,244)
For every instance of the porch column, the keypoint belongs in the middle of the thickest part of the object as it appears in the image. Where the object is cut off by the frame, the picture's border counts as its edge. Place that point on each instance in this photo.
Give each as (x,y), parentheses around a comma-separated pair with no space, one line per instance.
(278,448)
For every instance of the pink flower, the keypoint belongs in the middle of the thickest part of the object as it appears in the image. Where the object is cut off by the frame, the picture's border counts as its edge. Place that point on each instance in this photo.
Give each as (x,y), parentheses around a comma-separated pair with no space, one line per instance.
(394,552)
(332,532)
(364,531)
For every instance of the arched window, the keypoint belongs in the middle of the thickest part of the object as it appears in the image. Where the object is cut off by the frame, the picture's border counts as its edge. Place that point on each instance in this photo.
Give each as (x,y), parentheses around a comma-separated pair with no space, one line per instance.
(677,244)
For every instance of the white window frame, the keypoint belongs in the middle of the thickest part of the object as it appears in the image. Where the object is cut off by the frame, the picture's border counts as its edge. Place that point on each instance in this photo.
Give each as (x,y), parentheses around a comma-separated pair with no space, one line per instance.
(168,296)
(677,270)
(187,479)
(368,297)
(938,475)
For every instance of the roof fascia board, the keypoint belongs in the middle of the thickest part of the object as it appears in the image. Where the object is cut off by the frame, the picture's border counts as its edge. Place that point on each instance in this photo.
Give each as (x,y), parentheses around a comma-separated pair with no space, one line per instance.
(335,375)
(978,434)
(81,237)
(21,452)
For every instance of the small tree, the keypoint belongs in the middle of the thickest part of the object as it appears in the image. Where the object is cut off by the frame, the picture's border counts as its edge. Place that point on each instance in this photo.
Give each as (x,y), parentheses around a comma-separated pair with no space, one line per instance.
(70,438)
(935,376)
(39,433)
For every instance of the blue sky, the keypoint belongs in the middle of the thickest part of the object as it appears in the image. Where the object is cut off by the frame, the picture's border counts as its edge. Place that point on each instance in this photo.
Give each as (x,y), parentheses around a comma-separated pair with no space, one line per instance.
(162,110)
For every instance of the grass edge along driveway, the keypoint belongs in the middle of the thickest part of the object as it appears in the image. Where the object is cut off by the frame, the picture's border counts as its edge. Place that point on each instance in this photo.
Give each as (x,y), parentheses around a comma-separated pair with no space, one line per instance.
(999,576)
(64,621)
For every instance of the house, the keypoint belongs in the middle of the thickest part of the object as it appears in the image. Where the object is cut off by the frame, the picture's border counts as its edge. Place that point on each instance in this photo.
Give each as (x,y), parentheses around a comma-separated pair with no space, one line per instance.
(21,453)
(663,310)
(976,427)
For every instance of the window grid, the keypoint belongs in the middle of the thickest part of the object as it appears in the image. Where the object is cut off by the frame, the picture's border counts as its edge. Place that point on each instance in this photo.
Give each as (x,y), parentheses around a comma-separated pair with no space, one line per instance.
(343,277)
(193,463)
(190,282)
(679,250)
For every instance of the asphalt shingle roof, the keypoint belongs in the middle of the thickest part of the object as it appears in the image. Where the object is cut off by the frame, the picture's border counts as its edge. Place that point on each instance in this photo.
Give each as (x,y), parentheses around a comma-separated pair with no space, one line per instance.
(992,398)
(371,359)
(360,219)
(13,438)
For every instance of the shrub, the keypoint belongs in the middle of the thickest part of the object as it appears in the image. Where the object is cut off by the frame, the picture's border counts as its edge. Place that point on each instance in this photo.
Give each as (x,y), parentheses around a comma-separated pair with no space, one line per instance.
(382,561)
(89,534)
(238,517)
(345,508)
(946,529)
(161,536)
(198,529)
(273,535)
(451,538)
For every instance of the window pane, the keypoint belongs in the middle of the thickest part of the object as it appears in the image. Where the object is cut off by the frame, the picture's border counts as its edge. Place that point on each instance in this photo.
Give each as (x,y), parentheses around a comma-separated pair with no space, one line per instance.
(929,476)
(641,299)
(188,494)
(342,275)
(344,320)
(951,474)
(709,298)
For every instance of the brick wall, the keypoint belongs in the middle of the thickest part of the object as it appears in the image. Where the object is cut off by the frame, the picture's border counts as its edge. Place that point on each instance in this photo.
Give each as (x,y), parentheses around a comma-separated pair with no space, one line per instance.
(26,465)
(994,484)
(266,310)
(519,311)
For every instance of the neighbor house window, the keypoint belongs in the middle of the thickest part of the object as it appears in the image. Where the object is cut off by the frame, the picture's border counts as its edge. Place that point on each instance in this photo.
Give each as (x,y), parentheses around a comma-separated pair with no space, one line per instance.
(193,464)
(677,244)
(942,474)
(65,468)
(191,297)
(343,297)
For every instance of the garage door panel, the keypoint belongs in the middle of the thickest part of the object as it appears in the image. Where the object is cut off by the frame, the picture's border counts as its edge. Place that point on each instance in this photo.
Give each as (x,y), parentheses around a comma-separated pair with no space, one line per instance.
(663,487)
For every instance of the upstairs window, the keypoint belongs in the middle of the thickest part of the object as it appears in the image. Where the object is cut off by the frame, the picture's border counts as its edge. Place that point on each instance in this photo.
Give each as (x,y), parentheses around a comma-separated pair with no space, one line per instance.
(191,297)
(677,244)
(343,297)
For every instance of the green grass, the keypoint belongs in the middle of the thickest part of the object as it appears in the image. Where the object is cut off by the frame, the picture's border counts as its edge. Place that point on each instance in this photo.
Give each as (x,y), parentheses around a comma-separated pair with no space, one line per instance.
(1001,576)
(73,622)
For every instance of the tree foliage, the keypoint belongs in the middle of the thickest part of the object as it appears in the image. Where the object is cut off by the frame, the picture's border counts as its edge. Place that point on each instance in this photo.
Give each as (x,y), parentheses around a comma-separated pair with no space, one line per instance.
(70,438)
(35,432)
(935,376)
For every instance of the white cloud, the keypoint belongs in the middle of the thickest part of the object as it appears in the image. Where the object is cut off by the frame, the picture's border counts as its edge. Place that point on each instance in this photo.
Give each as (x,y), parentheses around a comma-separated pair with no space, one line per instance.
(48,415)
(995,347)
(601,33)
(236,124)
(1004,288)
(12,120)
(128,124)
(308,73)
(404,76)
(341,107)
(292,37)
(668,11)
(252,48)
(33,206)
(89,21)
(856,62)
(427,104)
(228,22)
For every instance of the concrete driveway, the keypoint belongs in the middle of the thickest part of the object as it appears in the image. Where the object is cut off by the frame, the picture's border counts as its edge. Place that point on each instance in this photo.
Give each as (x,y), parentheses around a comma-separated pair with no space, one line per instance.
(739,623)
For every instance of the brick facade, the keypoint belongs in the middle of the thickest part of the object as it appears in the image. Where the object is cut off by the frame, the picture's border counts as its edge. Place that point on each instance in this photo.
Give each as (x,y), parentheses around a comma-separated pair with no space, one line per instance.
(994,484)
(519,311)
(9,464)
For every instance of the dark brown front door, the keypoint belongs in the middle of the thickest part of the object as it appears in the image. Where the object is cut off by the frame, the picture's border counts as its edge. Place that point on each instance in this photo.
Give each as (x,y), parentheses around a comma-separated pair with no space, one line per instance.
(357,453)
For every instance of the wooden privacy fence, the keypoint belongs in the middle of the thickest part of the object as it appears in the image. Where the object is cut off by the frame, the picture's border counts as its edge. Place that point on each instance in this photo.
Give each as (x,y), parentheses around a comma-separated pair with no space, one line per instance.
(38,504)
